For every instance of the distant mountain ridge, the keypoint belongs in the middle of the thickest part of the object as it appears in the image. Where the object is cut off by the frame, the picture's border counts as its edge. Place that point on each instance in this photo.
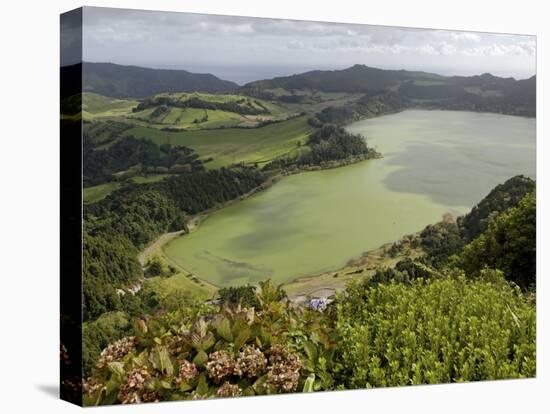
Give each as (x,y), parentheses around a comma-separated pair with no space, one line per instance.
(121,81)
(483,93)
(356,78)
(359,78)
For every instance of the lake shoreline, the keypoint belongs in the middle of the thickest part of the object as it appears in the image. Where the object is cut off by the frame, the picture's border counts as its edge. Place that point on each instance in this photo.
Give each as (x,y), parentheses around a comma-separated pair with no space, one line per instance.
(308,278)
(160,243)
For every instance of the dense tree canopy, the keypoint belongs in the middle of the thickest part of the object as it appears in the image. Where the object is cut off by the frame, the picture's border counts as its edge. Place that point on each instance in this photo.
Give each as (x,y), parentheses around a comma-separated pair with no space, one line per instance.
(101,164)
(117,227)
(509,244)
(499,199)
(327,143)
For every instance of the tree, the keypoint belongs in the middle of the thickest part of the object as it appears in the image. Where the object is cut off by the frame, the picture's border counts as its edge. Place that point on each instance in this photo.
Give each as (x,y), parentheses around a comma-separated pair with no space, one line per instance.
(155,267)
(509,244)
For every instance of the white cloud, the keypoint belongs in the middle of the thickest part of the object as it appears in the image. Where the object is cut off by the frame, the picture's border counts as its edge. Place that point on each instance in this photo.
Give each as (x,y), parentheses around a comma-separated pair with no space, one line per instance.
(465,36)
(179,40)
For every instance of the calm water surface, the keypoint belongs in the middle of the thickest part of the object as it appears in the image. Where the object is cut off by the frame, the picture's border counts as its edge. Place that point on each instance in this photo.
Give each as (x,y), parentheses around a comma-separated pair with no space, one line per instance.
(434,162)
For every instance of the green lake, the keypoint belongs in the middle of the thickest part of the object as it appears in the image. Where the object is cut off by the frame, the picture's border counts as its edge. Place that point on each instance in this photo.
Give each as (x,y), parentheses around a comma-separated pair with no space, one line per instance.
(434,162)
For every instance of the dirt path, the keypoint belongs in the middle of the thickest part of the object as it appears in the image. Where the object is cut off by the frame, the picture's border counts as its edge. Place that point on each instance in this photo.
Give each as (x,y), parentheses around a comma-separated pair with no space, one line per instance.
(156,246)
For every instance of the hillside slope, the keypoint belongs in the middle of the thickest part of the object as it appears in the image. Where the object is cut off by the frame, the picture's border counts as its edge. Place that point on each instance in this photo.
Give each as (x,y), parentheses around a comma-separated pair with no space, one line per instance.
(481,93)
(121,81)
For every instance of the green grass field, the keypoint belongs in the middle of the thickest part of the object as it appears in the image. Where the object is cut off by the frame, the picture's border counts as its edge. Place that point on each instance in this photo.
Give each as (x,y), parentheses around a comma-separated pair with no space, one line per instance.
(153,178)
(186,118)
(234,145)
(180,282)
(99,192)
(98,106)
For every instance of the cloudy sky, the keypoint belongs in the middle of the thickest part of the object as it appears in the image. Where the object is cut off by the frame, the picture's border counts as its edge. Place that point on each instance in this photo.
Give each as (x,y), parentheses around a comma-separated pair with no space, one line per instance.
(244,49)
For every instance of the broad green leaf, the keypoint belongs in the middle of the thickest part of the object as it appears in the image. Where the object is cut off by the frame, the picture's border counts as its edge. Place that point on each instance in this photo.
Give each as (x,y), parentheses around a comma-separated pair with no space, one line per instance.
(208,341)
(140,327)
(160,359)
(241,338)
(112,385)
(200,359)
(249,391)
(202,386)
(259,385)
(185,387)
(308,385)
(224,330)
(116,368)
(311,350)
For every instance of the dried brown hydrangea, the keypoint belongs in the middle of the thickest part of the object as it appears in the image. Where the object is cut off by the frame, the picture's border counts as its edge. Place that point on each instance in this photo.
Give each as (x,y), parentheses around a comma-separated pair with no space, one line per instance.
(187,372)
(220,365)
(91,386)
(179,345)
(134,390)
(229,390)
(283,373)
(116,351)
(251,362)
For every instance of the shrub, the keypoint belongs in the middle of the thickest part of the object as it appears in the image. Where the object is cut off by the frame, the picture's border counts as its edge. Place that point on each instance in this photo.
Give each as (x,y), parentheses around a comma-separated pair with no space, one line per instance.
(509,244)
(444,329)
(207,351)
(439,330)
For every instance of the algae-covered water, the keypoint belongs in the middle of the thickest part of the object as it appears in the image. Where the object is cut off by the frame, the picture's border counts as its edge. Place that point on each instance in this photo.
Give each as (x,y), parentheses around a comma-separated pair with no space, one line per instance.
(434,162)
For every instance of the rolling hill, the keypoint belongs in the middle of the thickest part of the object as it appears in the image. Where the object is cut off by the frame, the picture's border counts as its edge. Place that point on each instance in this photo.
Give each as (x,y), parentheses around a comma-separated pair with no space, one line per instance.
(356,78)
(485,93)
(119,81)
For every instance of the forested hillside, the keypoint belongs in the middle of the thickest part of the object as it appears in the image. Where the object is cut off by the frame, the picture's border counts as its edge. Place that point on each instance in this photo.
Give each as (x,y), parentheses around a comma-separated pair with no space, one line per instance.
(483,93)
(125,221)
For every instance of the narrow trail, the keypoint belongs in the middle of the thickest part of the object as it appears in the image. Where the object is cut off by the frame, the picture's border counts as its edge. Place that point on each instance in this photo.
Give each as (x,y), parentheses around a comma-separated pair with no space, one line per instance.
(157,244)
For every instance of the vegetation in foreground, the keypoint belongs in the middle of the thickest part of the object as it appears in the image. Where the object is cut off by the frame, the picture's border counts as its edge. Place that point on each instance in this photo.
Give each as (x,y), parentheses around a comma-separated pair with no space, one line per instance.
(443,329)
(434,319)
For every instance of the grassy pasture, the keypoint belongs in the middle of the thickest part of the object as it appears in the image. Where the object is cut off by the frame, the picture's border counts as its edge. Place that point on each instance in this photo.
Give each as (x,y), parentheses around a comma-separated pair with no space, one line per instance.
(312,100)
(221,98)
(153,178)
(97,106)
(146,113)
(184,118)
(234,145)
(181,282)
(210,97)
(487,93)
(98,192)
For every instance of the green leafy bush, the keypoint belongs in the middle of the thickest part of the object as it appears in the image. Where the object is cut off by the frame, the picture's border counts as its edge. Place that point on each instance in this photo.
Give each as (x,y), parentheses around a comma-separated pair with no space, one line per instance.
(440,241)
(240,295)
(98,334)
(499,199)
(443,329)
(206,351)
(509,244)
(439,330)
